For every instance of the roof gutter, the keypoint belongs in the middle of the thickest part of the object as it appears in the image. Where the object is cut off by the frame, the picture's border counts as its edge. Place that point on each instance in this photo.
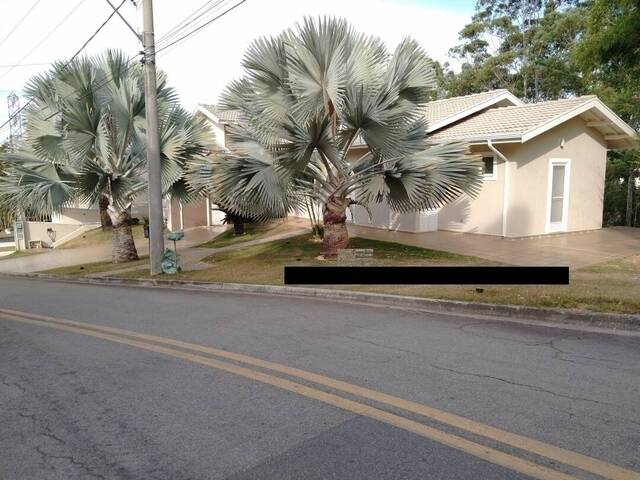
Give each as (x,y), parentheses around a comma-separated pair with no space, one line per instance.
(505,186)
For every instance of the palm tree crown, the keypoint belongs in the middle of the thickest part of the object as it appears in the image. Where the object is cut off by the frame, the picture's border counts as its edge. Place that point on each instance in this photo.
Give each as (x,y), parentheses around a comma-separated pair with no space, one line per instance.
(309,97)
(85,141)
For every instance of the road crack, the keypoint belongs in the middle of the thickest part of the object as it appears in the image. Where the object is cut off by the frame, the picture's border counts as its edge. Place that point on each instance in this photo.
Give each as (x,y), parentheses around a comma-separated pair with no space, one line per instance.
(517,384)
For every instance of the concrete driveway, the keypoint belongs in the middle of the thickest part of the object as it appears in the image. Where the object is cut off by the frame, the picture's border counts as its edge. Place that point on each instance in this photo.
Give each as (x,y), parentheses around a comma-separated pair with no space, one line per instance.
(99,253)
(573,249)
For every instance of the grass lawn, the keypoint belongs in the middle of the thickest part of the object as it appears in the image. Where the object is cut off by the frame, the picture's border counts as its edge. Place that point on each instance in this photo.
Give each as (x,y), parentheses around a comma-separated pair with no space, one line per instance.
(264,263)
(253,231)
(97,267)
(607,287)
(97,236)
(24,253)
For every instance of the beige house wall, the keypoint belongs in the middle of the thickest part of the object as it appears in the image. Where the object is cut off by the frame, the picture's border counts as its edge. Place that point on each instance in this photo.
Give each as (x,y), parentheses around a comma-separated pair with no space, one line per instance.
(529,189)
(77,216)
(482,214)
(194,214)
(529,185)
(37,232)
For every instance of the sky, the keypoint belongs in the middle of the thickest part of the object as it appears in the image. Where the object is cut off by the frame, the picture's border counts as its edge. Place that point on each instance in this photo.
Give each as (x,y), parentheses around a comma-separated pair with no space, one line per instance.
(203,65)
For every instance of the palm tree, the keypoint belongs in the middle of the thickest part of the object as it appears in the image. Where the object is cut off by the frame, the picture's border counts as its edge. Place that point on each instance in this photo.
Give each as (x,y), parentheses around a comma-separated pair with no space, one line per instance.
(85,141)
(308,96)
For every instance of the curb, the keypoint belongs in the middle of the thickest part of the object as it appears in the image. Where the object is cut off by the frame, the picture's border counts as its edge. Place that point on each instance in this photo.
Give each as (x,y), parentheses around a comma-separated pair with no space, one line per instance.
(505,312)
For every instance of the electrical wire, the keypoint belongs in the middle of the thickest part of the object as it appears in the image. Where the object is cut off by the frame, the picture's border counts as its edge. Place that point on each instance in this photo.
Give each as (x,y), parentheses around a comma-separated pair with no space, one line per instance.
(15,65)
(15,27)
(68,62)
(130,65)
(45,38)
(188,20)
(200,27)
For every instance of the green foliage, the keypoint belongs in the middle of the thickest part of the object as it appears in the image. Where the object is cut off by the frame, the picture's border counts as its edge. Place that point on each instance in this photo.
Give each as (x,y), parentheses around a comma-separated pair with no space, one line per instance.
(620,200)
(609,56)
(307,97)
(522,46)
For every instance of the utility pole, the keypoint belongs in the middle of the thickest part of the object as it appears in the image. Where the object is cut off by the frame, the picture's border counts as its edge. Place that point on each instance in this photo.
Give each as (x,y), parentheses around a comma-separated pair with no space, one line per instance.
(156,219)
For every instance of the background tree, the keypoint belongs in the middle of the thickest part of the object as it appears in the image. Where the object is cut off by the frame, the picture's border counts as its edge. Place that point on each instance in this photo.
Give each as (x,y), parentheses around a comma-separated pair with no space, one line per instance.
(522,45)
(308,95)
(85,141)
(609,55)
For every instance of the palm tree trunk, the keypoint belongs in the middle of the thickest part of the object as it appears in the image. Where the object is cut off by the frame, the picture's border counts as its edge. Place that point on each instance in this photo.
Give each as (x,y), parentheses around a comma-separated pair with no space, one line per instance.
(123,248)
(238,225)
(105,219)
(630,188)
(334,217)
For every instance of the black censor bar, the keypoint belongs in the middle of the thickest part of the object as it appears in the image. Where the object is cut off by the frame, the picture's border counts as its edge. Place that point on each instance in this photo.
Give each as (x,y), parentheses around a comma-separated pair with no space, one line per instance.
(343,275)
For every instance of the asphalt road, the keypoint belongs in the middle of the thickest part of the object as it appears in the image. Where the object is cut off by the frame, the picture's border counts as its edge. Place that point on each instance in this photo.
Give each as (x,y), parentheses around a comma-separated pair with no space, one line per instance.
(79,401)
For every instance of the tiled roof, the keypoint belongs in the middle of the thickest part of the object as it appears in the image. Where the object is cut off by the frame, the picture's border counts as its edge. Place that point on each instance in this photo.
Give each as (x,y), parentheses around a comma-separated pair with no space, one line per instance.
(440,109)
(226,116)
(434,111)
(508,121)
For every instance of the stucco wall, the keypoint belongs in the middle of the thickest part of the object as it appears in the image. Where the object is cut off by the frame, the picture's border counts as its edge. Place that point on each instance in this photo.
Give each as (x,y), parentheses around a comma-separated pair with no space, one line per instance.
(194,214)
(529,184)
(529,189)
(482,214)
(83,213)
(77,216)
(37,231)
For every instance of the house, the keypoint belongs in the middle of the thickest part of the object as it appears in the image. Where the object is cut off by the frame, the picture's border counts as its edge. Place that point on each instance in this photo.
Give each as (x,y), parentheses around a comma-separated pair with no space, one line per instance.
(202,212)
(543,164)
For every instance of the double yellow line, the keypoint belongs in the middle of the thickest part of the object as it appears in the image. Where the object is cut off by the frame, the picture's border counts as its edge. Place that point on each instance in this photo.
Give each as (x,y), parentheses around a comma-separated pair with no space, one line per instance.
(262,371)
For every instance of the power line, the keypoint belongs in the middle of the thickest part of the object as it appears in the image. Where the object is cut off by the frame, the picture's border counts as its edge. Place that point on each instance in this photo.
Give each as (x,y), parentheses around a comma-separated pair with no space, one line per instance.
(15,27)
(45,38)
(197,29)
(14,65)
(188,20)
(72,58)
(130,64)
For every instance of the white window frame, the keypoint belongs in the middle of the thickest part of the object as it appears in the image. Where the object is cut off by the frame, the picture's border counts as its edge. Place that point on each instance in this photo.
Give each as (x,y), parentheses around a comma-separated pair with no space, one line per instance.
(489,176)
(558,227)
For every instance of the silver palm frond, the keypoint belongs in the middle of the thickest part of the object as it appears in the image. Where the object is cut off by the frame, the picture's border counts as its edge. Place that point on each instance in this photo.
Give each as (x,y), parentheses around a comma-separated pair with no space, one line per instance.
(308,97)
(86,136)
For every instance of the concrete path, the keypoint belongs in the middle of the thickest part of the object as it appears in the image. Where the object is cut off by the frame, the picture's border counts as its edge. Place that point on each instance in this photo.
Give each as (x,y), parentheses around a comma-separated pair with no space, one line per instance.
(191,258)
(575,250)
(81,404)
(74,256)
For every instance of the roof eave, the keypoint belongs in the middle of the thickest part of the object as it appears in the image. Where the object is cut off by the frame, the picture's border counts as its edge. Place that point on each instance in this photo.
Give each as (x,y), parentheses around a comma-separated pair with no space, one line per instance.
(482,140)
(595,104)
(207,113)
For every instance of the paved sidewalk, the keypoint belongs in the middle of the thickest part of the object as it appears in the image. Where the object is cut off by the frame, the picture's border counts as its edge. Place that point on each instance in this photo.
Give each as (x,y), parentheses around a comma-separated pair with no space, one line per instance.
(575,250)
(191,258)
(101,253)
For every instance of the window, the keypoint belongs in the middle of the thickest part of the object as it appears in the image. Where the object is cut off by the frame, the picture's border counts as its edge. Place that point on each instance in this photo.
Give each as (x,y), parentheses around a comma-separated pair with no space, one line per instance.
(489,168)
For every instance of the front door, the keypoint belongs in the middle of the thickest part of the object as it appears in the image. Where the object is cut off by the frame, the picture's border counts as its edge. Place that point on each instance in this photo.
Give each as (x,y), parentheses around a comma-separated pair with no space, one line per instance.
(558,195)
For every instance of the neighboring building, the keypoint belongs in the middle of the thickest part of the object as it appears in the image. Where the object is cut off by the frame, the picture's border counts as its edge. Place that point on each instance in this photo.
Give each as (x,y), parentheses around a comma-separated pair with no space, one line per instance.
(202,212)
(543,164)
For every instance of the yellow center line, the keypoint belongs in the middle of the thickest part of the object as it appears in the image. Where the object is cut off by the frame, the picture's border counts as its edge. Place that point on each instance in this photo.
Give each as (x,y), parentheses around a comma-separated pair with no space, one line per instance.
(486,453)
(567,457)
